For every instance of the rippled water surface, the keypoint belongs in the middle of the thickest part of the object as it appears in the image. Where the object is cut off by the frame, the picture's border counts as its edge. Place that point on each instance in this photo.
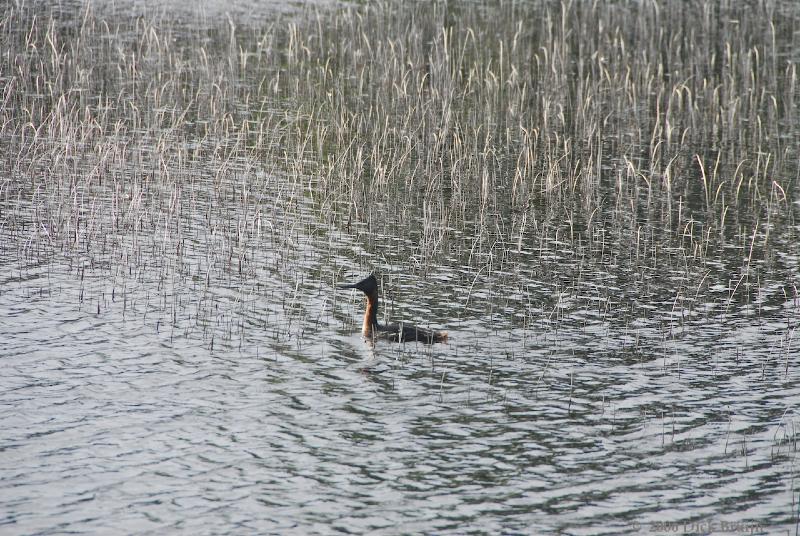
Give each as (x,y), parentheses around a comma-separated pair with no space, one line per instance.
(182,194)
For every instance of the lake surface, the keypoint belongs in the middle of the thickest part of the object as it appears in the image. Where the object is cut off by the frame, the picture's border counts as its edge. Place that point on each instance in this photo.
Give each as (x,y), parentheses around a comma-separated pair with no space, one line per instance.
(598,203)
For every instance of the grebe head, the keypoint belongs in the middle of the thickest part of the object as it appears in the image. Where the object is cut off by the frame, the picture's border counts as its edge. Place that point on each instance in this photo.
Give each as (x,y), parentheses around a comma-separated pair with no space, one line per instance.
(368,285)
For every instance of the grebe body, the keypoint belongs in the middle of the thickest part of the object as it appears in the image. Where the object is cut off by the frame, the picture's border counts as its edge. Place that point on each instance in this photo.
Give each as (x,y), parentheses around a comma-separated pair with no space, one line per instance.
(393,332)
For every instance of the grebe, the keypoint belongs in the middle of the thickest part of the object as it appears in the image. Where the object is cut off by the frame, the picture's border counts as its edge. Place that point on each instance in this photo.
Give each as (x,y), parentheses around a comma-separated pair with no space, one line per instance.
(393,332)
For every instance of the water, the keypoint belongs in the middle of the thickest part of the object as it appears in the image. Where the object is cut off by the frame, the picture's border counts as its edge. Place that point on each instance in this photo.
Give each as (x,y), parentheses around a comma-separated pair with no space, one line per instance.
(622,359)
(113,426)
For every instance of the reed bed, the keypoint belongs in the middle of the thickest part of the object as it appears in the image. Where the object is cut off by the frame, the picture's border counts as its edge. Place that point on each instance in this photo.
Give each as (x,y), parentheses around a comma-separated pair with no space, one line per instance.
(601,148)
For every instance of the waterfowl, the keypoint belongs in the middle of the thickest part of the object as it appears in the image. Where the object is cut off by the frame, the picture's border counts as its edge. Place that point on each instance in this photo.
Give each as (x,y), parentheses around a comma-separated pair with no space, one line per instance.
(393,332)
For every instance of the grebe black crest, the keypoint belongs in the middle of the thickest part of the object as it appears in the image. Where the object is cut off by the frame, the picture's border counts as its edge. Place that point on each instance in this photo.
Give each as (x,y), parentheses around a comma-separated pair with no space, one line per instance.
(392,332)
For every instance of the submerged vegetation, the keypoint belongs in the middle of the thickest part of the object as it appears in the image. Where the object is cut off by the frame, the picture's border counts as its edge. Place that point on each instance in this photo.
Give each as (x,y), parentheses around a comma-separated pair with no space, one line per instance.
(601,148)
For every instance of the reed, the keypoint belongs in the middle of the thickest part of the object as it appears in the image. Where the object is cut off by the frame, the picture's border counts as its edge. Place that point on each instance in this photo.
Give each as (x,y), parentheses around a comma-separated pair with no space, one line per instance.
(578,144)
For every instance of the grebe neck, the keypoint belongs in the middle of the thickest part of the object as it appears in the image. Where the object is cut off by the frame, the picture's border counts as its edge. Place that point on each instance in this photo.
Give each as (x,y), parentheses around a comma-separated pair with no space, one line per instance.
(371,315)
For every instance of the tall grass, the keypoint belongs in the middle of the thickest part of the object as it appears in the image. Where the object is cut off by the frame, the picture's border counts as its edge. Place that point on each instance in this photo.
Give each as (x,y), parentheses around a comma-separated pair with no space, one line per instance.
(506,143)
